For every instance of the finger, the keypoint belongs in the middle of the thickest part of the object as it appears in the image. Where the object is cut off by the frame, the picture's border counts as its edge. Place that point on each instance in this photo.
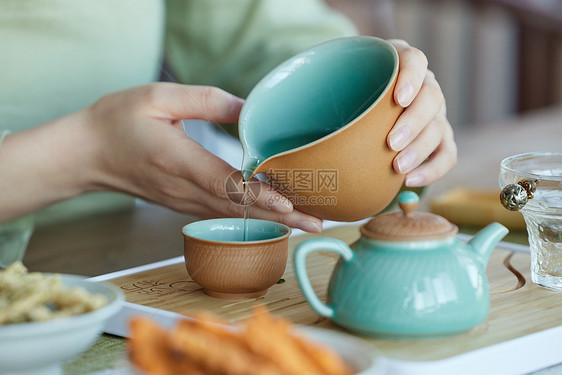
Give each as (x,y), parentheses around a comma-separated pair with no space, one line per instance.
(417,151)
(412,69)
(255,192)
(426,106)
(216,203)
(440,163)
(270,199)
(213,207)
(211,173)
(295,219)
(214,178)
(172,101)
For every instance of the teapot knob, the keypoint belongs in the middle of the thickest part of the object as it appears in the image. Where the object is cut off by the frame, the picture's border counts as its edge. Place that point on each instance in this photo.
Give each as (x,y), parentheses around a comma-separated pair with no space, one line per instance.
(408,202)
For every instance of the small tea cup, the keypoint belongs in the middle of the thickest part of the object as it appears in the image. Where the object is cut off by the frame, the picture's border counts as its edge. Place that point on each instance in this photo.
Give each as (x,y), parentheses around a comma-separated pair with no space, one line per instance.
(227,265)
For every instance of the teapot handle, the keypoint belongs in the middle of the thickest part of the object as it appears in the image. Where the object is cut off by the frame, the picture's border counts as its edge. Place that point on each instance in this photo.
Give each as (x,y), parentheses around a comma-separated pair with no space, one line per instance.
(299,260)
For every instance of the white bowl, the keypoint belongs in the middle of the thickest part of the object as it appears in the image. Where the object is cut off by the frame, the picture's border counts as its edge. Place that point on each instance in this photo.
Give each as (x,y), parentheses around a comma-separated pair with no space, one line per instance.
(40,347)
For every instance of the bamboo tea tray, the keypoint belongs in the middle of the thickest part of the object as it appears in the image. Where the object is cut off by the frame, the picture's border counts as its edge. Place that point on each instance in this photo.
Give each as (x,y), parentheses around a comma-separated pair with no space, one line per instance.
(522,333)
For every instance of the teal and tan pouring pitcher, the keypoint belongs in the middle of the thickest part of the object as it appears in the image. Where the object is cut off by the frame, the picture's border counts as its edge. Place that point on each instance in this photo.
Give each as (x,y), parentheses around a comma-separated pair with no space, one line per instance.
(317,127)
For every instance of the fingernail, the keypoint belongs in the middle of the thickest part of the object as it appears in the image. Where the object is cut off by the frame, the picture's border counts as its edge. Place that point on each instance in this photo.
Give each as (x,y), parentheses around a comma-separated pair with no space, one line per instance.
(414,180)
(399,137)
(309,226)
(406,95)
(405,161)
(236,103)
(282,205)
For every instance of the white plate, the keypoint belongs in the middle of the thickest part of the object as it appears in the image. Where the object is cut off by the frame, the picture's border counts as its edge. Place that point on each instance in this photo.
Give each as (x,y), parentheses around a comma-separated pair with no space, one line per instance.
(356,353)
(359,355)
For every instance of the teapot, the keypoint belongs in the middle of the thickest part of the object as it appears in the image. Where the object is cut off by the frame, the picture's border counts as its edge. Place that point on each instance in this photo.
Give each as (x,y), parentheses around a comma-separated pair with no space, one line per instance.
(408,276)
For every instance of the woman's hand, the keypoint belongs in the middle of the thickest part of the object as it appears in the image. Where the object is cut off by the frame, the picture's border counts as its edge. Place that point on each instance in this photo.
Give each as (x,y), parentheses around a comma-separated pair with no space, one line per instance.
(133,142)
(148,154)
(422,131)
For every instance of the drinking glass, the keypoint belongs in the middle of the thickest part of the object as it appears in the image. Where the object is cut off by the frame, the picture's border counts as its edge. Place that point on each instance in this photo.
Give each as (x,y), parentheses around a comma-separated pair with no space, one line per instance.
(14,236)
(542,211)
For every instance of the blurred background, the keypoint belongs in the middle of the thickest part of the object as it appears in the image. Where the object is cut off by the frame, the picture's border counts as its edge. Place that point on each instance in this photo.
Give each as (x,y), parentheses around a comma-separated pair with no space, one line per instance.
(493,58)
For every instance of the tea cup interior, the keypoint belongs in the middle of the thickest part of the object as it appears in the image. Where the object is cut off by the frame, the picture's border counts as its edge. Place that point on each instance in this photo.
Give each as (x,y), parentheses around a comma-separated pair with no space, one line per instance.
(232,230)
(314,94)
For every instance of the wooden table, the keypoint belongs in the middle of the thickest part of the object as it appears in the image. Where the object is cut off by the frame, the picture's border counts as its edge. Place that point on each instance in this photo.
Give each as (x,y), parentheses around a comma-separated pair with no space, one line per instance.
(109,242)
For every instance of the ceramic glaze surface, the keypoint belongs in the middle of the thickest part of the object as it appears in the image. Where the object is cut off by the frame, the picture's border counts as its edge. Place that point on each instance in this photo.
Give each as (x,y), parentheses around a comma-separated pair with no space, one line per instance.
(408,289)
(312,95)
(317,127)
(225,266)
(232,230)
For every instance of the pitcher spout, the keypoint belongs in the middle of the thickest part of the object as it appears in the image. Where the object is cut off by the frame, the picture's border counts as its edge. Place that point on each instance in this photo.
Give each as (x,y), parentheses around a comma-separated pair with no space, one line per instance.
(250,165)
(486,240)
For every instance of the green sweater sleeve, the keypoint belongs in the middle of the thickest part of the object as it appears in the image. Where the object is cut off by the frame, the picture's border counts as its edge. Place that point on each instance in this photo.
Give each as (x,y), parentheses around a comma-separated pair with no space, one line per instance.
(232,44)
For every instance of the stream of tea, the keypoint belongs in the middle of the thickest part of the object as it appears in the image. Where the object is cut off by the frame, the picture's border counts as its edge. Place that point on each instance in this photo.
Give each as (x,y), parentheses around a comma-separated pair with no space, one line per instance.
(245,201)
(280,144)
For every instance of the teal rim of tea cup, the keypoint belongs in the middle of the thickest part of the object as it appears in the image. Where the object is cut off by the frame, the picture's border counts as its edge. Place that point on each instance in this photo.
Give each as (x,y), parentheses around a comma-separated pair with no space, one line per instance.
(231,230)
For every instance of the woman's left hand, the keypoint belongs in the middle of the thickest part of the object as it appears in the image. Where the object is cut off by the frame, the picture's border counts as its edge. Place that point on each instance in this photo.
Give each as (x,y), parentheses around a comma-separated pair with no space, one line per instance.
(422,131)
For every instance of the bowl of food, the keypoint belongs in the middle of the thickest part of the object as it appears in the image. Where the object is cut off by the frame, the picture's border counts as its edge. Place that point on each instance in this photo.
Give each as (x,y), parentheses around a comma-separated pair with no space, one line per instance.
(48,318)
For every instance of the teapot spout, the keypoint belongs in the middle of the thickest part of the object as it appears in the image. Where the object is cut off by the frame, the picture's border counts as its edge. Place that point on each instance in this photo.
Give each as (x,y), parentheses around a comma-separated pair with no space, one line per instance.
(486,240)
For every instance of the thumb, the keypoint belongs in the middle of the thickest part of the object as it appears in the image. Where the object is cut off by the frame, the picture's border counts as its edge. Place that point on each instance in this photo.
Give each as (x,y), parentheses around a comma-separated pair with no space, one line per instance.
(173,101)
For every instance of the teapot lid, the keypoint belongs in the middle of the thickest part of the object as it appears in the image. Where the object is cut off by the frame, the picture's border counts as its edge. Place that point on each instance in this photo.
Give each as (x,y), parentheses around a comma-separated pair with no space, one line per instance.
(408,224)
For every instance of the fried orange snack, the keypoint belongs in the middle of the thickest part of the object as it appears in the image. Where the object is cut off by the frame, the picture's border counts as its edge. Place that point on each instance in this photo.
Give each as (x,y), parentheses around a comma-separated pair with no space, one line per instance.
(263,345)
(148,346)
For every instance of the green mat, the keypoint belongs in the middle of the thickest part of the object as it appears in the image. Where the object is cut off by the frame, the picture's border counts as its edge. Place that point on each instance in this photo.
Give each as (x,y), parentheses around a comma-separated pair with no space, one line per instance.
(105,353)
